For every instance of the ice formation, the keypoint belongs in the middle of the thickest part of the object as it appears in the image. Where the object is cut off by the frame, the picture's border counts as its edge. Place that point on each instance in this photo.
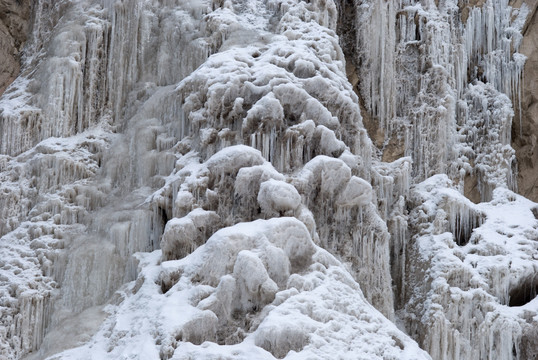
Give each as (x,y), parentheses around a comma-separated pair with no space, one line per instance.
(238,179)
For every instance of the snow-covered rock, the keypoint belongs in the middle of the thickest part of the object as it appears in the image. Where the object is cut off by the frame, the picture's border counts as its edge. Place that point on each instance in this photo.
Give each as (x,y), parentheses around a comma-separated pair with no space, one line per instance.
(258,289)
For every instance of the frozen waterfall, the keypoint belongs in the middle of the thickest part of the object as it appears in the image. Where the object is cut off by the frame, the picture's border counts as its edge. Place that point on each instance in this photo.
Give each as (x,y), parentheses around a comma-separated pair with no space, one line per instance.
(239,179)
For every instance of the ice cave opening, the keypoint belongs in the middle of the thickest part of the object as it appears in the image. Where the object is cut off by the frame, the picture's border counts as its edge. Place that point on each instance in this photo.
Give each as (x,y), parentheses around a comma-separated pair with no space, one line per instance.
(535,212)
(462,223)
(524,292)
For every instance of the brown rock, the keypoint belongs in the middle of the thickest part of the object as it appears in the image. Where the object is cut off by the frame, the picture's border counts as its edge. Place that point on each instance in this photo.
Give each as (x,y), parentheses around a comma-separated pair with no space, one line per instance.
(525,124)
(466,5)
(370,123)
(14,20)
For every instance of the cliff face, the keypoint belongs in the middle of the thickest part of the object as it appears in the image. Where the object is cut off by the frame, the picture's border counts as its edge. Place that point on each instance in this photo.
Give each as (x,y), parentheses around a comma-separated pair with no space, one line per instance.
(269,179)
(14,23)
(526,123)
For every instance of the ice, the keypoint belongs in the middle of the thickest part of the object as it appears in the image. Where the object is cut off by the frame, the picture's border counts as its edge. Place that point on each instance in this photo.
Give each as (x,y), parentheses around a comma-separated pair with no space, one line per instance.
(182,236)
(357,192)
(419,64)
(473,280)
(199,179)
(488,115)
(284,316)
(278,197)
(255,287)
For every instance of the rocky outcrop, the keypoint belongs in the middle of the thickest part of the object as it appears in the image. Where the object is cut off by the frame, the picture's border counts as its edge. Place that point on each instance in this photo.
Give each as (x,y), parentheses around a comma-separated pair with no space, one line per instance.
(14,16)
(525,126)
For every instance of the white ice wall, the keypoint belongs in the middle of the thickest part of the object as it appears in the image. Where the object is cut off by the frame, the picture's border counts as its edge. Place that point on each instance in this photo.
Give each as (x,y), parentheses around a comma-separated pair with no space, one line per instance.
(145,126)
(110,139)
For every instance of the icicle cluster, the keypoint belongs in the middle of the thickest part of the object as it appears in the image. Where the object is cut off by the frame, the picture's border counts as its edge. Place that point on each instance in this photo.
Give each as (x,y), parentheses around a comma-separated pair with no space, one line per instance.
(475,267)
(114,145)
(204,169)
(416,65)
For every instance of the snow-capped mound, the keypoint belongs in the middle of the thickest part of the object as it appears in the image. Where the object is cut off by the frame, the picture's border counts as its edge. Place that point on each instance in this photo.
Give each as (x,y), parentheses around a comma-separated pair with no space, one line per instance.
(260,289)
(482,262)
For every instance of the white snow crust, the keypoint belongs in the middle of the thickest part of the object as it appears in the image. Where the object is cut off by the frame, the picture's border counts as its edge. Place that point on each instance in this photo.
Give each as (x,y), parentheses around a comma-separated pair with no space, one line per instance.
(298,302)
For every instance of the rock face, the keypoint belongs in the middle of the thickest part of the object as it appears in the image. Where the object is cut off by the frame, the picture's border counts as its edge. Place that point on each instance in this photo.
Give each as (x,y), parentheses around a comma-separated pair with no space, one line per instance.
(14,23)
(268,179)
(525,129)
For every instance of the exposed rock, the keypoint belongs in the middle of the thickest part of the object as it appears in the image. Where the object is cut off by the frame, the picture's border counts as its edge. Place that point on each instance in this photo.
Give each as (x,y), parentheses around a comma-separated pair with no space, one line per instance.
(466,6)
(525,125)
(14,22)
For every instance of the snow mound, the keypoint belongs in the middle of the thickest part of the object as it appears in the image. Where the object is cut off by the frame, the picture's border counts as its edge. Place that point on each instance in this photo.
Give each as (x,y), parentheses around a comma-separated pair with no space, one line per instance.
(182,236)
(482,265)
(259,289)
(357,192)
(278,197)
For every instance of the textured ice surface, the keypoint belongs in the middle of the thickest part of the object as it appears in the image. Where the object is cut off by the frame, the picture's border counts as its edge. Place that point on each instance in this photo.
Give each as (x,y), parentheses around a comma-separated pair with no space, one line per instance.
(422,80)
(114,145)
(194,180)
(481,260)
(260,289)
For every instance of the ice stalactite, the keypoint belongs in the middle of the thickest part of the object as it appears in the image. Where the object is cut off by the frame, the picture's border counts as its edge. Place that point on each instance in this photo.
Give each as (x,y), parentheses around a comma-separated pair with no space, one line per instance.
(486,117)
(462,220)
(348,223)
(417,70)
(491,39)
(474,262)
(289,125)
(235,183)
(145,55)
(49,192)
(391,183)
(451,74)
(96,65)
(137,150)
(375,22)
(50,182)
(62,102)
(204,170)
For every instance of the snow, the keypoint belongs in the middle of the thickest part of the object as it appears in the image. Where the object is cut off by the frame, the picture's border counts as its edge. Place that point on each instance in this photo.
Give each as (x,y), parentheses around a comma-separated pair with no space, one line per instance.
(473,280)
(277,196)
(183,235)
(419,65)
(234,273)
(194,180)
(357,192)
